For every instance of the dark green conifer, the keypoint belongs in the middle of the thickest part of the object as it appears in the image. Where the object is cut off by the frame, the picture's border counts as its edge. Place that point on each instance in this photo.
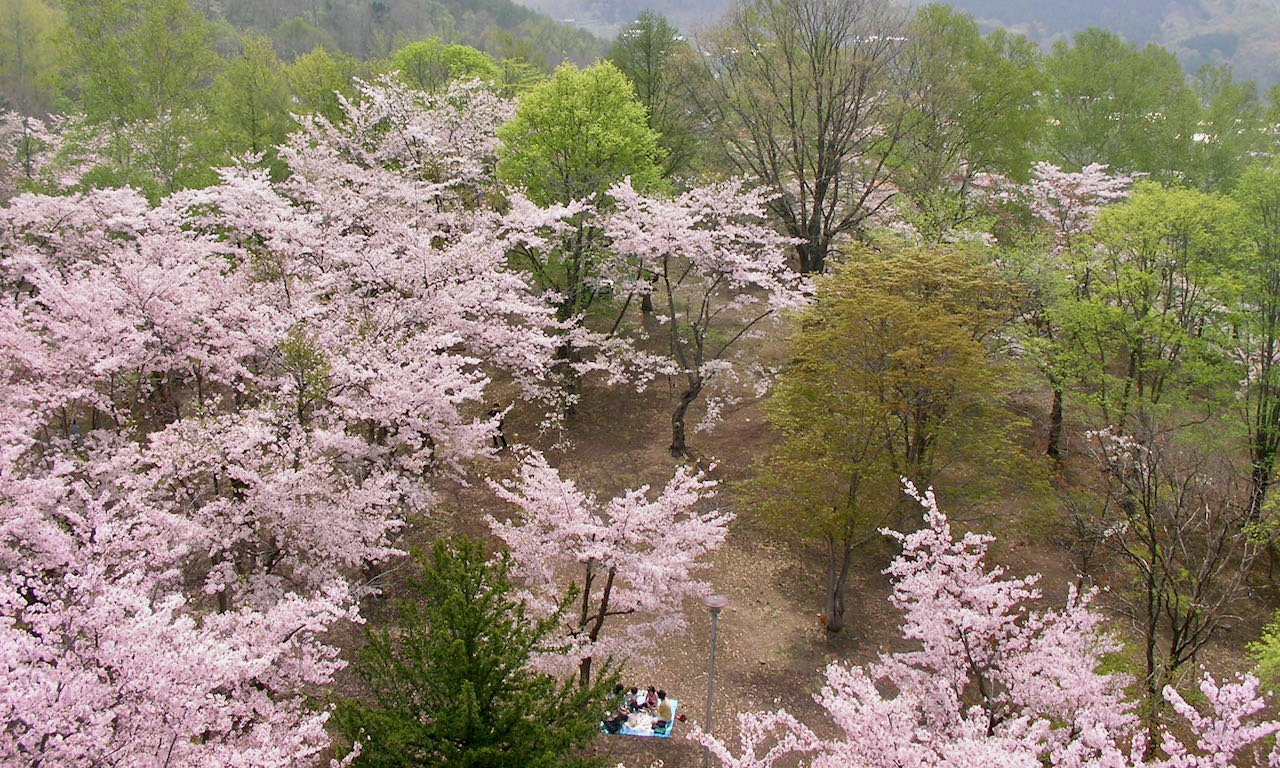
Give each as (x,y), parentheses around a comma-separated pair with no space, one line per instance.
(450,684)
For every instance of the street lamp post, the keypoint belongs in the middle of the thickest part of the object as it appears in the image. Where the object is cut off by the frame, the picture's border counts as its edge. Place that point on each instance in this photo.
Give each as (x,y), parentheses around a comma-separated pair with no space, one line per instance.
(714,603)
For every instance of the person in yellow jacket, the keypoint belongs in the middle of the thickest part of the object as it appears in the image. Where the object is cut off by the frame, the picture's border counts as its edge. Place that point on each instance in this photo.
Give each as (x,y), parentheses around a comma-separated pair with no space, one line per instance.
(665,711)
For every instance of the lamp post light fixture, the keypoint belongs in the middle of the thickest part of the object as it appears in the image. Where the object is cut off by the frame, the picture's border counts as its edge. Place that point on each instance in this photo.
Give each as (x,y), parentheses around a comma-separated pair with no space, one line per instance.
(714,603)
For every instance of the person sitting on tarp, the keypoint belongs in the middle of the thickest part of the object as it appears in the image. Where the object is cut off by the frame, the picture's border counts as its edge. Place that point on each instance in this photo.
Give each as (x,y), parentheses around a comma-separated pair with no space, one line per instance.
(651,699)
(665,711)
(614,724)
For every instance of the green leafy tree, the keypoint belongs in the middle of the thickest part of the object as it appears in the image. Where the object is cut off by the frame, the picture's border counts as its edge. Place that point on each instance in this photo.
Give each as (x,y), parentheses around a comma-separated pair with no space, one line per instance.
(507,46)
(317,78)
(251,100)
(132,60)
(1266,654)
(578,134)
(293,38)
(28,61)
(894,375)
(1271,116)
(140,71)
(1258,334)
(28,56)
(801,95)
(431,64)
(517,76)
(451,685)
(1146,334)
(1109,102)
(972,108)
(572,138)
(648,52)
(1147,340)
(1230,129)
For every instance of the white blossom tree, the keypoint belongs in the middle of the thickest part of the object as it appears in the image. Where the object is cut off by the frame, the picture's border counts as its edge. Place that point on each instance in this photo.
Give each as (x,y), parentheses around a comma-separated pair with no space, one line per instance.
(719,272)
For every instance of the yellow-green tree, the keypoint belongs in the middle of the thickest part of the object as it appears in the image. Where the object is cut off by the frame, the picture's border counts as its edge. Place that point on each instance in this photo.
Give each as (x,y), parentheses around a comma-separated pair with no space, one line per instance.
(1147,332)
(28,61)
(572,138)
(28,57)
(317,78)
(893,375)
(431,64)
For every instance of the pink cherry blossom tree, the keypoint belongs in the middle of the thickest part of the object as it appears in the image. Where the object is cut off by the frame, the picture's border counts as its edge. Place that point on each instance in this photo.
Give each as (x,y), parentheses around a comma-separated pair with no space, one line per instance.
(719,270)
(217,412)
(26,145)
(116,668)
(636,555)
(1068,202)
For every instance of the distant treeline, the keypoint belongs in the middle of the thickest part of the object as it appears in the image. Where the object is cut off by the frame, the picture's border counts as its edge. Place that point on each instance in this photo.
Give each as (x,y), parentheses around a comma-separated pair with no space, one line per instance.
(375,29)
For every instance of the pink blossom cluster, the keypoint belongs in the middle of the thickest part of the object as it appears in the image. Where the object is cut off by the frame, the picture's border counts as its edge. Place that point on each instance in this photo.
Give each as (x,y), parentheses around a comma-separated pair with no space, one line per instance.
(1068,202)
(216,413)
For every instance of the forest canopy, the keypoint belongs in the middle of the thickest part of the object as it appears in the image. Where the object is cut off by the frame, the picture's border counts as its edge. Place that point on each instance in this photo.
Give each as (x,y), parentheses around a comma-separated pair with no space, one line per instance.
(294,289)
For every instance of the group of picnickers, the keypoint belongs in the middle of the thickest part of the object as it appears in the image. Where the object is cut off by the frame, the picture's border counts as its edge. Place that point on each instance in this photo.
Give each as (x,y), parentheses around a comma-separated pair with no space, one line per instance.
(647,710)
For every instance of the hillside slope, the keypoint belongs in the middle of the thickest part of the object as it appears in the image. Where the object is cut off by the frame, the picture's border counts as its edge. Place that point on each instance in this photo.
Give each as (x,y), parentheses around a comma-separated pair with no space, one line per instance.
(371,29)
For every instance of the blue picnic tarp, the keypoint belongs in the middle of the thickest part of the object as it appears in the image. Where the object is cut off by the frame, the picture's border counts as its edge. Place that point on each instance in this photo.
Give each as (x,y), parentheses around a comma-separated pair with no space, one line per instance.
(663,733)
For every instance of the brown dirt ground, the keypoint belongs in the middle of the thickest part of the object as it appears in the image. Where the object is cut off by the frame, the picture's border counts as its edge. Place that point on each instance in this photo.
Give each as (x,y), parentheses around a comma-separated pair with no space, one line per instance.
(771,649)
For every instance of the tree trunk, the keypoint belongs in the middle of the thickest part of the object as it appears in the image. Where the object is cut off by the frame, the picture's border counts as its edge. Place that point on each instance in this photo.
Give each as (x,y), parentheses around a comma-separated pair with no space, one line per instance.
(1055,424)
(1259,483)
(838,564)
(597,620)
(566,356)
(811,257)
(833,617)
(1265,440)
(678,445)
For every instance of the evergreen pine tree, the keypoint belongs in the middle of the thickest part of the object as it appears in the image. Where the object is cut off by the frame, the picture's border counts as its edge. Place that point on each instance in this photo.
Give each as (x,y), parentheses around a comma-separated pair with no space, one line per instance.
(451,684)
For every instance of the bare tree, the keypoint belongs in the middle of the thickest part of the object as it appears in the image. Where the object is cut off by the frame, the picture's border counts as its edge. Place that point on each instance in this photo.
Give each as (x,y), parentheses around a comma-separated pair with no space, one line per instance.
(1182,529)
(800,95)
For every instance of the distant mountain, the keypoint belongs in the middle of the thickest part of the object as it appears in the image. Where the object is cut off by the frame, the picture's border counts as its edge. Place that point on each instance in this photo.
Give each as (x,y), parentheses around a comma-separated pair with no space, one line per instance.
(1242,33)
(1137,20)
(606,17)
